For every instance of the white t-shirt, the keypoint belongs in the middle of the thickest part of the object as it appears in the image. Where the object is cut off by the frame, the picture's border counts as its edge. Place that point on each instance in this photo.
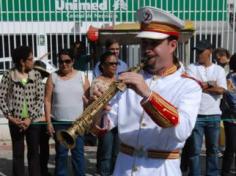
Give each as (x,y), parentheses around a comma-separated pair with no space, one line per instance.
(210,103)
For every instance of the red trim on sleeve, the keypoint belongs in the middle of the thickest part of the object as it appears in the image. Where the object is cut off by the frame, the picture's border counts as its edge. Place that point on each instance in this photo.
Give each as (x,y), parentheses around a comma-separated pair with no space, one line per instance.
(161,111)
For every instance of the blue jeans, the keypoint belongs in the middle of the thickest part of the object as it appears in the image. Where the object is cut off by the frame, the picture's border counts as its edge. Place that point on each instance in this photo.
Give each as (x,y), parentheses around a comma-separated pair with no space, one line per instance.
(208,125)
(77,155)
(107,152)
(230,148)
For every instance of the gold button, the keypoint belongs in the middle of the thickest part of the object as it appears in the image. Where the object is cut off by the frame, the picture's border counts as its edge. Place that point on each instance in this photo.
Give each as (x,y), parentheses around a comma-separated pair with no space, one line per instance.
(135,169)
(155,77)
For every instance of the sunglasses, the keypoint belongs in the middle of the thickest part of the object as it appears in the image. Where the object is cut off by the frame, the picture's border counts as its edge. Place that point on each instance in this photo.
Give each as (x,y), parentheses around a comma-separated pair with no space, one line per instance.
(112,63)
(151,42)
(68,61)
(30,59)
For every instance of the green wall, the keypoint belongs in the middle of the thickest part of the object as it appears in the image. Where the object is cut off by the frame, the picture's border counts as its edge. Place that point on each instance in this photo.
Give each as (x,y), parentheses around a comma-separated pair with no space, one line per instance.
(102,10)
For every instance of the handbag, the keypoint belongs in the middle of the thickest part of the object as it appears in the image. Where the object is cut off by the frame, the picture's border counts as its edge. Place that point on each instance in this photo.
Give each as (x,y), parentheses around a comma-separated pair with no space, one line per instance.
(228,102)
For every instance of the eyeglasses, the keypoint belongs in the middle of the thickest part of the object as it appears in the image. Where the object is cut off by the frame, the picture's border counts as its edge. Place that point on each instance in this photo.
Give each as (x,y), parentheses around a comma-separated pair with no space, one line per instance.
(114,49)
(30,59)
(112,63)
(68,61)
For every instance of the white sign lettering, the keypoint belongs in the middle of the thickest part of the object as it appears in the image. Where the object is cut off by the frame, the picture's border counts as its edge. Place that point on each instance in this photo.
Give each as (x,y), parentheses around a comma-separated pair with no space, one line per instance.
(75,5)
(120,5)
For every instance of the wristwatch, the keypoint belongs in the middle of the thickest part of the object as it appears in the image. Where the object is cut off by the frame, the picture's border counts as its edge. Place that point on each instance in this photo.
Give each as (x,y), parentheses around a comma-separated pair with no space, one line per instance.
(209,85)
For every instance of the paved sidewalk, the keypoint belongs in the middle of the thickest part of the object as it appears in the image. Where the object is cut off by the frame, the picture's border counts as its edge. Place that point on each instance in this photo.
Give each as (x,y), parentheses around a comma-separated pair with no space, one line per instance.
(90,157)
(6,159)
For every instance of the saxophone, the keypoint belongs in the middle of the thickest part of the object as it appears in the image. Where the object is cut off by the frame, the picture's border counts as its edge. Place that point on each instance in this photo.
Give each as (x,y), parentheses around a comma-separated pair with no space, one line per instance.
(85,121)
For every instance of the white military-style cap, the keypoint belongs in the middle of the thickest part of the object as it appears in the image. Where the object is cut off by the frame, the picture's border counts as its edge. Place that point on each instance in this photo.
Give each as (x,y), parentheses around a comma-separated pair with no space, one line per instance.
(44,66)
(158,24)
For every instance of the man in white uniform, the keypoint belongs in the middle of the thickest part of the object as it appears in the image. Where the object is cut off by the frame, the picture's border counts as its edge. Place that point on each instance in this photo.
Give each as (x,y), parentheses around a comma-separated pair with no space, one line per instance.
(158,112)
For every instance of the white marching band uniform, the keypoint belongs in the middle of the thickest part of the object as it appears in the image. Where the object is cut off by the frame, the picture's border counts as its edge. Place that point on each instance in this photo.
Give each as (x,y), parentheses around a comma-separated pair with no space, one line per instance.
(153,130)
(127,112)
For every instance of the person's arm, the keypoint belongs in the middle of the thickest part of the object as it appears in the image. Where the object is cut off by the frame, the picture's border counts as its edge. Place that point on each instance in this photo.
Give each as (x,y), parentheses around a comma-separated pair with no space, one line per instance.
(219,86)
(5,87)
(213,89)
(97,129)
(187,108)
(36,110)
(230,85)
(101,123)
(4,90)
(109,117)
(162,112)
(181,118)
(48,104)
(86,87)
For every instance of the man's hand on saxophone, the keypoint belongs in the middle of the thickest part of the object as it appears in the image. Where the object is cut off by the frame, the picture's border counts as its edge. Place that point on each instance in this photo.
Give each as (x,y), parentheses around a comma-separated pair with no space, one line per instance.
(136,82)
(98,91)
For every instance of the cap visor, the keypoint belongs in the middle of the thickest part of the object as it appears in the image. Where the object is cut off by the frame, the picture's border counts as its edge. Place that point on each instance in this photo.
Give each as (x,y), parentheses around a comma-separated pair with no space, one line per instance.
(41,69)
(152,35)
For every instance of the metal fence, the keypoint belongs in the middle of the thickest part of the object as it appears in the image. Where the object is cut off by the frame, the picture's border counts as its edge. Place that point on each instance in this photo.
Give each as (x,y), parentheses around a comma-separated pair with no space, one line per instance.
(49,25)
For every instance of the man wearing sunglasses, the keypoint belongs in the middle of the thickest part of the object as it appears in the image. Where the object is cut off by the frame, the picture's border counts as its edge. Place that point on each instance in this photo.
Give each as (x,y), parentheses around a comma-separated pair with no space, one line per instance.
(158,111)
(113,46)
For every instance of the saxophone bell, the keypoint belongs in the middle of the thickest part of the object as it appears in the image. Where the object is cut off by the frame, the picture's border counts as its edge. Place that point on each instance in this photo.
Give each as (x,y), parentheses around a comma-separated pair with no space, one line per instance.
(67,137)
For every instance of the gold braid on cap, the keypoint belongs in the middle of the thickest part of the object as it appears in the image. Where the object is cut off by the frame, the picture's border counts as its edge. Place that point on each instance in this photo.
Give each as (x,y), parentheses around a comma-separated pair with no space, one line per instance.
(164,28)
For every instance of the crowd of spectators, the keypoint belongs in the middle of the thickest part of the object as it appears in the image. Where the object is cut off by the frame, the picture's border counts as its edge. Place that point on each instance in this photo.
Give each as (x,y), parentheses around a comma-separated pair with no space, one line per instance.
(67,92)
